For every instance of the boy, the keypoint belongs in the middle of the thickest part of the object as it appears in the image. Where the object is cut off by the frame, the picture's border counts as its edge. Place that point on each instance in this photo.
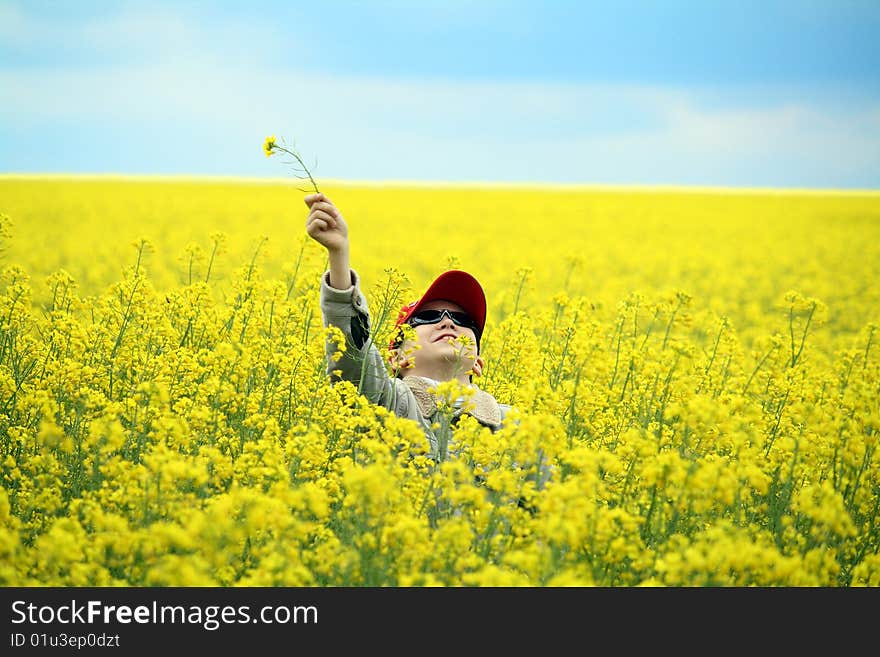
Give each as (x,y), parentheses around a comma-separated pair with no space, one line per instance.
(447,321)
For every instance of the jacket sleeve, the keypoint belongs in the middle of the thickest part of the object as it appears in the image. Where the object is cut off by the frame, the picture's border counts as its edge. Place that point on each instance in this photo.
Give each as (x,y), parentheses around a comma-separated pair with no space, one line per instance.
(361,364)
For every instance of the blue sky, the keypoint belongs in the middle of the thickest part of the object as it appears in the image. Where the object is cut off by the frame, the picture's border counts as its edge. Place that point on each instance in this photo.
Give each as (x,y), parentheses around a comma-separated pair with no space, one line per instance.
(739,94)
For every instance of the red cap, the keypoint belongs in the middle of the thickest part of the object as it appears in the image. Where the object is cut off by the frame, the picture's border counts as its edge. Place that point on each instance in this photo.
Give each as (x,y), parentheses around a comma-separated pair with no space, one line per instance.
(456,286)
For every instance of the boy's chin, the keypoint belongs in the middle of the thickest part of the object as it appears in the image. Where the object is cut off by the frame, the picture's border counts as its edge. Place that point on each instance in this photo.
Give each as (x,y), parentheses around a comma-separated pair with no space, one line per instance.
(454,355)
(457,364)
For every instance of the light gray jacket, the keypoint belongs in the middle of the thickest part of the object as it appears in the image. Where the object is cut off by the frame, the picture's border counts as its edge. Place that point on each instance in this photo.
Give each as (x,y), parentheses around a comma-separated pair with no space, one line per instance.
(363,364)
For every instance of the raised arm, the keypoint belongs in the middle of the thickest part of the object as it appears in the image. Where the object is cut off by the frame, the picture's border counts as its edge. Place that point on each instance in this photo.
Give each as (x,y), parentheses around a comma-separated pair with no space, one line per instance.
(326,226)
(343,305)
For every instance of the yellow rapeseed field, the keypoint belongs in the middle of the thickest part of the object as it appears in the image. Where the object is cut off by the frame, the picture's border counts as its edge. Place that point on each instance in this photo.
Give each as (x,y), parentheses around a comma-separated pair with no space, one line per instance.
(699,369)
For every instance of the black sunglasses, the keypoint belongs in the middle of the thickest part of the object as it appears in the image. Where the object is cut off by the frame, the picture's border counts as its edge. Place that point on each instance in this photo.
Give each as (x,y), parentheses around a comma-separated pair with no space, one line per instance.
(434,316)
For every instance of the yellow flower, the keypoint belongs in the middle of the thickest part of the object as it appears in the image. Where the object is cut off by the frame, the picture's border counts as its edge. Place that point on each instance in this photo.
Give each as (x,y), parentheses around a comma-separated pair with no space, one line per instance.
(269,145)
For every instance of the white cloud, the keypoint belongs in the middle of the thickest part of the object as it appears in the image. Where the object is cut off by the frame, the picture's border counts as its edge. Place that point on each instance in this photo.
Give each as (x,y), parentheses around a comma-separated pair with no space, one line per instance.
(139,35)
(420,129)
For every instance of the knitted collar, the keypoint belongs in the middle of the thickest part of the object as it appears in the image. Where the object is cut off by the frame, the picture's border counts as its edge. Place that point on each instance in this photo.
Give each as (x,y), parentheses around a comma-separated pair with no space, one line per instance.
(481,405)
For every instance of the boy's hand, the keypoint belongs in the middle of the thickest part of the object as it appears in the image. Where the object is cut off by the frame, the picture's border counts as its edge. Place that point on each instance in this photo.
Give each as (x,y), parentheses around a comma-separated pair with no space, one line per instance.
(325,224)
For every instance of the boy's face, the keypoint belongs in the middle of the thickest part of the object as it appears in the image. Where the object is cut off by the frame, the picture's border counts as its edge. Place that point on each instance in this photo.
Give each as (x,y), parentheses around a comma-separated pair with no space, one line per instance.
(442,344)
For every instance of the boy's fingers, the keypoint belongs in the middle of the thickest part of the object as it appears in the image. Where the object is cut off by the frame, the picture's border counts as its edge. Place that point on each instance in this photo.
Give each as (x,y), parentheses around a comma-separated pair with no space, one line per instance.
(323,214)
(316,226)
(312,198)
(329,208)
(320,215)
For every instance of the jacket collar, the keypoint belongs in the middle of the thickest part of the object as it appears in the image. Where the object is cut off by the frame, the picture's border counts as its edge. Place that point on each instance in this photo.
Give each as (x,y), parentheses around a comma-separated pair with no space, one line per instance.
(481,405)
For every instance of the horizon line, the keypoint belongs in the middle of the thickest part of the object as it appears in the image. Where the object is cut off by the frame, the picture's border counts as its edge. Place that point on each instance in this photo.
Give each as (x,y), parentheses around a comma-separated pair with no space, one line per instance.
(487,184)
